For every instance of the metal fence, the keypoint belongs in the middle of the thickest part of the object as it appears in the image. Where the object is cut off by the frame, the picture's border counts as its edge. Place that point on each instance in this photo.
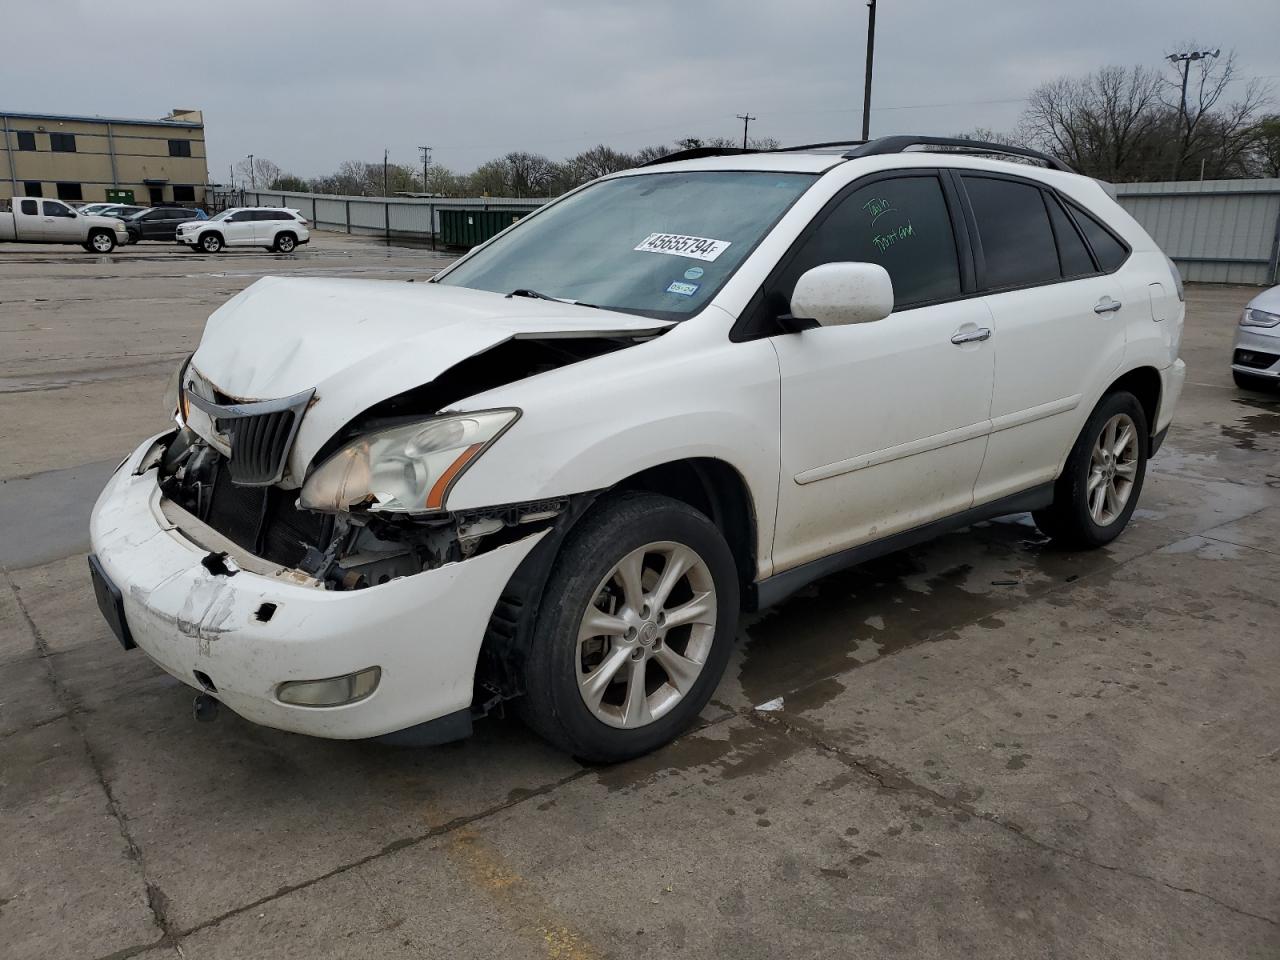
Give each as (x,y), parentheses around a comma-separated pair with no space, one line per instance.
(393,217)
(1217,231)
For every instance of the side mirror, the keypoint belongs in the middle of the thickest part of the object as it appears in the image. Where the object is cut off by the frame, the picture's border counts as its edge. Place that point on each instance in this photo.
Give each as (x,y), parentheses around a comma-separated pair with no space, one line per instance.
(834,294)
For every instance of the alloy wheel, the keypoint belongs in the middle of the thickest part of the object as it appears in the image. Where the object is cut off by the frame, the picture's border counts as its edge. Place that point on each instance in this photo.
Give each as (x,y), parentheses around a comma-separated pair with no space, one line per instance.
(102,243)
(646,634)
(1113,467)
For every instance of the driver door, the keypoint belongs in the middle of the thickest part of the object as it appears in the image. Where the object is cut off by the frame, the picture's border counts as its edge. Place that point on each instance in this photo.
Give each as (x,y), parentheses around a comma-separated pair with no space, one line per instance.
(884,424)
(239,228)
(59,222)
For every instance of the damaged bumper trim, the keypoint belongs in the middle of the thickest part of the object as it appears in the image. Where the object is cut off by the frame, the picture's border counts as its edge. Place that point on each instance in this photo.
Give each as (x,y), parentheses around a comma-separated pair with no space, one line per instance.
(424,630)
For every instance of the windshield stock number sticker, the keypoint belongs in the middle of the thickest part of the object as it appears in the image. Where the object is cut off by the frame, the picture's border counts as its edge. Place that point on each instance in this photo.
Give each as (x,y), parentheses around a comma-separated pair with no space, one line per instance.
(678,245)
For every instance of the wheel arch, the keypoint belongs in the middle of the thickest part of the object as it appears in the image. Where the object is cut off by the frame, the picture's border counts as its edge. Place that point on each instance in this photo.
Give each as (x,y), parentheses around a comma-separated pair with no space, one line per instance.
(1144,383)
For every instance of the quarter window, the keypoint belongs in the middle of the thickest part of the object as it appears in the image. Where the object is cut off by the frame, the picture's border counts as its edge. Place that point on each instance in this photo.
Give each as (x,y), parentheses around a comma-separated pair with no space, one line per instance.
(1017,241)
(1072,253)
(1109,251)
(26,140)
(901,223)
(62,142)
(29,207)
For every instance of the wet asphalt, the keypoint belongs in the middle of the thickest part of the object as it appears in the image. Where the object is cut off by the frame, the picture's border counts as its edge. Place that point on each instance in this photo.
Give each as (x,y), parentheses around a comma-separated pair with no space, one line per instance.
(982,746)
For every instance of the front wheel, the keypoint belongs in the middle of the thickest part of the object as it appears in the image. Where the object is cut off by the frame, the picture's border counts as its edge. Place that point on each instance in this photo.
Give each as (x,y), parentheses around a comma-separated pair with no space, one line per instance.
(211,243)
(1099,487)
(637,623)
(101,241)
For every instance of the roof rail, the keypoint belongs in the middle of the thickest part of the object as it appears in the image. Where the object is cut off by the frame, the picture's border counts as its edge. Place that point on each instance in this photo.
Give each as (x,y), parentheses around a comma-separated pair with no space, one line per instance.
(899,144)
(818,146)
(697,153)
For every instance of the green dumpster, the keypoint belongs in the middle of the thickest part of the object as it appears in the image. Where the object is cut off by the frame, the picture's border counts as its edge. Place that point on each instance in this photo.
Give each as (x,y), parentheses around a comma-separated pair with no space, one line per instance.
(467,228)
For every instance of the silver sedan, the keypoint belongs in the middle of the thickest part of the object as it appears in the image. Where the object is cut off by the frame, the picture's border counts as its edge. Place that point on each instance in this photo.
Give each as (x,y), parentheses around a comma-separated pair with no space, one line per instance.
(1255,359)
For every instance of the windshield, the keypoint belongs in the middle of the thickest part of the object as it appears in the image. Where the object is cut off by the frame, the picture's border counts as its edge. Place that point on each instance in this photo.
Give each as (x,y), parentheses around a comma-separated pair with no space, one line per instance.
(220,216)
(657,244)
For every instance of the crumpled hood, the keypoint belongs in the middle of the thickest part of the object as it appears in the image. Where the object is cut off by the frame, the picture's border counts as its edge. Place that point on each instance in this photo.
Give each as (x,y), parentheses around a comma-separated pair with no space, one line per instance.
(358,342)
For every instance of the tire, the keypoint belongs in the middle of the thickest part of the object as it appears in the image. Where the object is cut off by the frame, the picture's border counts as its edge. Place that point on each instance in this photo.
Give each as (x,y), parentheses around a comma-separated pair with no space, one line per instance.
(285,243)
(101,241)
(210,242)
(1087,513)
(653,530)
(1251,381)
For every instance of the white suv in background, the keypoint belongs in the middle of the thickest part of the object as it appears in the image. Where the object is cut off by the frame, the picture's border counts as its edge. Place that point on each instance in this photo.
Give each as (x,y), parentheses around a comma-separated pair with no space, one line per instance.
(555,474)
(281,230)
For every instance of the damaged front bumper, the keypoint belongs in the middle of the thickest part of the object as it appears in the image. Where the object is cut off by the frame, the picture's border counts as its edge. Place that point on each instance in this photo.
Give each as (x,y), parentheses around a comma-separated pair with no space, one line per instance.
(244,629)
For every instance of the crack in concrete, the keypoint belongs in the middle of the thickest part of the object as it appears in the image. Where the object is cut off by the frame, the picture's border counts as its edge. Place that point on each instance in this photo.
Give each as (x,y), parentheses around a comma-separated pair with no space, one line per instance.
(888,777)
(157,902)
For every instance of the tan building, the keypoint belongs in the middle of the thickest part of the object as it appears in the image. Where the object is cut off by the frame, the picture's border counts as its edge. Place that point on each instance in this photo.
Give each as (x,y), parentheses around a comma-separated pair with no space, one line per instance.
(98,159)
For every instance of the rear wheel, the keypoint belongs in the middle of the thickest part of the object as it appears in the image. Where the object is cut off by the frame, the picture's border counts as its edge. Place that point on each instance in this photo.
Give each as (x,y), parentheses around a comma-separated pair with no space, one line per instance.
(637,624)
(1250,381)
(1100,484)
(101,241)
(285,243)
(211,243)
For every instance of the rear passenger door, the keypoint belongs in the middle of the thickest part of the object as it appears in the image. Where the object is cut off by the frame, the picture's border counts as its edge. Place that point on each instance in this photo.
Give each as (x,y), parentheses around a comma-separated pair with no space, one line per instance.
(1057,321)
(883,424)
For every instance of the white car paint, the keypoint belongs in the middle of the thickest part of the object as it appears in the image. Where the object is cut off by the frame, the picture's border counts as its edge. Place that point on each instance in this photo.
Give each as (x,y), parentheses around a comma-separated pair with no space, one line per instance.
(241,227)
(1258,339)
(843,435)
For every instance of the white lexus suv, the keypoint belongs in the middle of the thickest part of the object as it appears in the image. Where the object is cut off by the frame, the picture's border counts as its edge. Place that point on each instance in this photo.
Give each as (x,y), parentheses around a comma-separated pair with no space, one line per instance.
(274,228)
(555,474)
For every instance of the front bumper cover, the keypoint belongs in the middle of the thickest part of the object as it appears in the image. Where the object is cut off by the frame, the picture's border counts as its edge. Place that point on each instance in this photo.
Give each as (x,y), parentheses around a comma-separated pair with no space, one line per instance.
(424,631)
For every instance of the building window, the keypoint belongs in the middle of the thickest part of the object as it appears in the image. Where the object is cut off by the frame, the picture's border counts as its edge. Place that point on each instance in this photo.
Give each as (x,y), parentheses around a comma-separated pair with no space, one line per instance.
(33,188)
(26,140)
(179,148)
(70,191)
(183,194)
(62,142)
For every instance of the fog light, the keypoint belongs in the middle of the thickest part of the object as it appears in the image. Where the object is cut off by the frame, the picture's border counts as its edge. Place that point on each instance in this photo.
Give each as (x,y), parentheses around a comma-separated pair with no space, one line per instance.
(333,692)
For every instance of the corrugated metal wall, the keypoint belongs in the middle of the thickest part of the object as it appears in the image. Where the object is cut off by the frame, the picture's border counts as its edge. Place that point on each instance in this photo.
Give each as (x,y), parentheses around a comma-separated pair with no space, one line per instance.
(1216,231)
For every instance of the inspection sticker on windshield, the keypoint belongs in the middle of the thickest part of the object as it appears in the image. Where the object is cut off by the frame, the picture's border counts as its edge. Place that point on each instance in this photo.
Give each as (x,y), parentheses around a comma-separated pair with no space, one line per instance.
(682,288)
(678,245)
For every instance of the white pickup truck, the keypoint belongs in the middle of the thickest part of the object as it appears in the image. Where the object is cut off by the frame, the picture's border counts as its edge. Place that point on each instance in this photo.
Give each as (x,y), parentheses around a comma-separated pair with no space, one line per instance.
(39,220)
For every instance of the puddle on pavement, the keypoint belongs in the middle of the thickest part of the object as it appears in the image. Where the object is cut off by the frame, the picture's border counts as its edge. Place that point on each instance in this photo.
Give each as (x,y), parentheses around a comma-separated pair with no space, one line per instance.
(1249,432)
(879,608)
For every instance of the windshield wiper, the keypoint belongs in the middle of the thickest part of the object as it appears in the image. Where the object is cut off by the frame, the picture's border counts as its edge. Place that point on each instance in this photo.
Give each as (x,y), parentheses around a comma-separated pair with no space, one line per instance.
(535,295)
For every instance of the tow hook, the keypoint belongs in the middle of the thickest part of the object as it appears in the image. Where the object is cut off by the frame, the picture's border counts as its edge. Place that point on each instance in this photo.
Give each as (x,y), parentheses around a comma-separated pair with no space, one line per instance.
(205,708)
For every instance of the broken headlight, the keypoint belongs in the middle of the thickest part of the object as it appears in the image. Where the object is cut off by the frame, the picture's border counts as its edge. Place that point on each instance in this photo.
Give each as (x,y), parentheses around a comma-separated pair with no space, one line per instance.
(405,469)
(175,399)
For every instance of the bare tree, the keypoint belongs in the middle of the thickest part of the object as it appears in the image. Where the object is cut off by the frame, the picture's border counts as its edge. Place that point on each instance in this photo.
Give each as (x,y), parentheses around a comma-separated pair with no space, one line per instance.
(599,161)
(1210,130)
(1106,124)
(527,174)
(262,172)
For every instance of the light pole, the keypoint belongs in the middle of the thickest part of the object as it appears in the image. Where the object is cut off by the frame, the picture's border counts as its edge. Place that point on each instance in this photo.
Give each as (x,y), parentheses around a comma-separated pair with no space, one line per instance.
(426,162)
(1185,59)
(871,53)
(253,179)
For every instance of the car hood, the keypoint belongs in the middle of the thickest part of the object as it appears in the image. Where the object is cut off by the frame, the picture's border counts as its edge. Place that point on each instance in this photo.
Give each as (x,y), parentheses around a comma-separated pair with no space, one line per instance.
(94,220)
(357,342)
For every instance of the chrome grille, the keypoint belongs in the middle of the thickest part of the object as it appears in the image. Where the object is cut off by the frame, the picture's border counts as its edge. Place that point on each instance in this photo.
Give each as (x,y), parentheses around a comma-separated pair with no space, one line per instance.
(259,434)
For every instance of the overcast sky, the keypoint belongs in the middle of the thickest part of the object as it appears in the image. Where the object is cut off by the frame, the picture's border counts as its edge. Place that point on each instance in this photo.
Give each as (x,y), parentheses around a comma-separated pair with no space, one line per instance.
(310,84)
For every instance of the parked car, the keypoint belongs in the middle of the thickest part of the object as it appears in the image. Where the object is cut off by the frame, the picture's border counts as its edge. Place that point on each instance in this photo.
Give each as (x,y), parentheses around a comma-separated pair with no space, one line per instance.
(95,209)
(40,220)
(554,474)
(121,211)
(157,223)
(1255,359)
(281,230)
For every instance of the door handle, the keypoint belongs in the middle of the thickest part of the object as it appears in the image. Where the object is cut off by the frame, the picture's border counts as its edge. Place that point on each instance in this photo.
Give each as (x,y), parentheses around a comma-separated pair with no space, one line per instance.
(1107,305)
(976,335)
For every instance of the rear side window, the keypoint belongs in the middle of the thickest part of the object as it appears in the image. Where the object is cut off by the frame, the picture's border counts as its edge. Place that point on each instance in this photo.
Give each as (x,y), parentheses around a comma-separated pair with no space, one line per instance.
(1017,241)
(1111,253)
(901,223)
(1072,252)
(29,207)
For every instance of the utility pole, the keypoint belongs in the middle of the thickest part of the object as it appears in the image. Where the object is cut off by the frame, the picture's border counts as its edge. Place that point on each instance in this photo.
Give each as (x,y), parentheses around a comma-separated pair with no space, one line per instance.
(1185,59)
(871,56)
(746,118)
(253,178)
(426,162)
(385,153)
